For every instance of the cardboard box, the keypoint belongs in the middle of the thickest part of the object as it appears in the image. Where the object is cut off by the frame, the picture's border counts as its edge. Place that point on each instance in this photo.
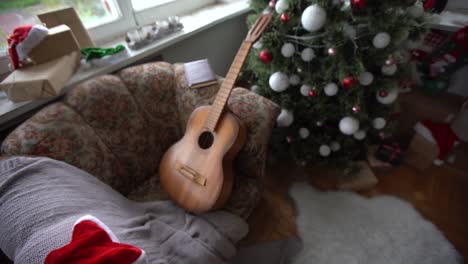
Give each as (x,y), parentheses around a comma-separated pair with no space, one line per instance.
(68,16)
(421,153)
(59,42)
(417,106)
(40,81)
(364,179)
(460,124)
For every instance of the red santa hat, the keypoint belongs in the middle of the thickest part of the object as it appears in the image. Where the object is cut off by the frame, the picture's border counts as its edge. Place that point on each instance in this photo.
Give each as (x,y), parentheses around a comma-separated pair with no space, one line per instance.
(23,40)
(93,242)
(440,134)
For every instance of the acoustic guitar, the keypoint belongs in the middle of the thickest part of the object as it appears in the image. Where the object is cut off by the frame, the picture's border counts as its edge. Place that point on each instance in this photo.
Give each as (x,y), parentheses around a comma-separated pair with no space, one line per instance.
(196,172)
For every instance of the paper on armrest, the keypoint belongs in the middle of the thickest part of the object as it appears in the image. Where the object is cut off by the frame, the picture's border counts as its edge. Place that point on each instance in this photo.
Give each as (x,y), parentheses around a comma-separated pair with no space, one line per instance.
(40,81)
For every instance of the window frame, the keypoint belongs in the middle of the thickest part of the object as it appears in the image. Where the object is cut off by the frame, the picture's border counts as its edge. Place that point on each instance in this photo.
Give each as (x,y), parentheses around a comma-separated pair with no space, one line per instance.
(129,19)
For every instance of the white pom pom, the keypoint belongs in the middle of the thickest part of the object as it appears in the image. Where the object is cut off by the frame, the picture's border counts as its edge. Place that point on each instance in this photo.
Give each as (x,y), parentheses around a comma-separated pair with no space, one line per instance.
(360,135)
(278,82)
(331,89)
(255,88)
(366,78)
(313,18)
(349,125)
(305,89)
(304,132)
(281,6)
(381,40)
(285,118)
(287,50)
(390,98)
(294,79)
(379,123)
(389,70)
(307,54)
(324,150)
(335,146)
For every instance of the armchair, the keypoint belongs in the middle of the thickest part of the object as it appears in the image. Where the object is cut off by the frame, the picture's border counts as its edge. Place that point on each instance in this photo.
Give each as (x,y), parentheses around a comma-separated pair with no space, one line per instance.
(116,127)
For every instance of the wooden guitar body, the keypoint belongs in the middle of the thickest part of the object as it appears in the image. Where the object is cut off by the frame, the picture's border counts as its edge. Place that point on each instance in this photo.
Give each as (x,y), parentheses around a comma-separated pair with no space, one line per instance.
(197,171)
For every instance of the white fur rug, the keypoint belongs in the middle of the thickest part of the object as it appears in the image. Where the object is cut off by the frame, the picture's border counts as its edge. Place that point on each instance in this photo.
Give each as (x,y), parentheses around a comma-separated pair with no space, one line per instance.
(342,227)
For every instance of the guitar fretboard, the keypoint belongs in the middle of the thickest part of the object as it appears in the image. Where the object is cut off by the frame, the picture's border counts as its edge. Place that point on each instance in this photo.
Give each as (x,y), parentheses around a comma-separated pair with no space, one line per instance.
(226,87)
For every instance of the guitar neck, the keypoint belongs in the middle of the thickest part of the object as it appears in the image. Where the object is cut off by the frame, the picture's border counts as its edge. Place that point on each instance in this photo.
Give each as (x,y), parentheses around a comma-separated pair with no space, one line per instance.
(226,87)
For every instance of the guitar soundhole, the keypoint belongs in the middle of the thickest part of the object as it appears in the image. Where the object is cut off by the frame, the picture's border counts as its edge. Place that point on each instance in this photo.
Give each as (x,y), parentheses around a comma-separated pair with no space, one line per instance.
(205,141)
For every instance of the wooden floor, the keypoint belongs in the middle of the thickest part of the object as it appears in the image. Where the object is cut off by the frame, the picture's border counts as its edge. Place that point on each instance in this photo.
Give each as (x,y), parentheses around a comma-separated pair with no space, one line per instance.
(440,194)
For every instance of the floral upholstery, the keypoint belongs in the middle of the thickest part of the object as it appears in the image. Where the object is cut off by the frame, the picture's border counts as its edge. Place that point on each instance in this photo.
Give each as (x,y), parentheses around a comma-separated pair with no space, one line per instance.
(117,127)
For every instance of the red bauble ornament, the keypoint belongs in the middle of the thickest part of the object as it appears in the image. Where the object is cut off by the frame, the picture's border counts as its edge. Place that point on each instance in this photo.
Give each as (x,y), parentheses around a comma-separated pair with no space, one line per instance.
(284,18)
(272,4)
(312,93)
(358,4)
(349,82)
(356,109)
(266,56)
(383,93)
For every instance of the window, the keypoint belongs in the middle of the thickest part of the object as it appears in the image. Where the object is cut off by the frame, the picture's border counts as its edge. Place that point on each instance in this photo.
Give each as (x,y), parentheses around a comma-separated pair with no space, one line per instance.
(104,19)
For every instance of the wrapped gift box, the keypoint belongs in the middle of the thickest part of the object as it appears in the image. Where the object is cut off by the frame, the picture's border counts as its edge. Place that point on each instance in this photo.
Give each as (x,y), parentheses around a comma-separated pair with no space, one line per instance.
(421,152)
(40,81)
(59,42)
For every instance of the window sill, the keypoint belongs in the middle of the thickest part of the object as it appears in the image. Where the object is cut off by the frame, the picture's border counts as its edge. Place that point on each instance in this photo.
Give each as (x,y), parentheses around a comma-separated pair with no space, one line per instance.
(194,23)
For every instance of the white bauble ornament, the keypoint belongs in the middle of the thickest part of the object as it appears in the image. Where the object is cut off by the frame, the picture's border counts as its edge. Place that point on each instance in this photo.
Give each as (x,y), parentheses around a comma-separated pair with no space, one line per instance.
(255,88)
(381,40)
(389,70)
(288,50)
(294,79)
(360,135)
(324,150)
(335,146)
(331,89)
(416,10)
(278,82)
(281,6)
(366,78)
(313,18)
(349,31)
(304,132)
(307,54)
(392,95)
(305,89)
(379,123)
(258,44)
(319,123)
(349,125)
(285,118)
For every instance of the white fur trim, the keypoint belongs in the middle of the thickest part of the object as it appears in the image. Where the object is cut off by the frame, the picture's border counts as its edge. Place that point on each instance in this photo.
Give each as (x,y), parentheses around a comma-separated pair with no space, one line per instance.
(142,258)
(424,132)
(35,36)
(100,224)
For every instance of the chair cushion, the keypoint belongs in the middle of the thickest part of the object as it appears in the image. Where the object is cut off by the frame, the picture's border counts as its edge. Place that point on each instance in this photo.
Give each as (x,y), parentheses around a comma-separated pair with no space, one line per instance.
(109,109)
(60,133)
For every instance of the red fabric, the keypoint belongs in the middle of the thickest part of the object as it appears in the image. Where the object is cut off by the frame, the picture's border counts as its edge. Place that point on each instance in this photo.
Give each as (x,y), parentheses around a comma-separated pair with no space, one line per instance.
(91,244)
(18,35)
(429,5)
(443,135)
(461,38)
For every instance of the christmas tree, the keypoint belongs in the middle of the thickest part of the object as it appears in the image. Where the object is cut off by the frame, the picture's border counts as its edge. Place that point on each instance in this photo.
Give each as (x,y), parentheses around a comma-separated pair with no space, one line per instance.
(334,67)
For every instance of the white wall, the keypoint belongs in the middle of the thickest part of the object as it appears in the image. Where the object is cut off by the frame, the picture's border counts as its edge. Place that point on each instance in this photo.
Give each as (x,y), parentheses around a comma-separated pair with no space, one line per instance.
(218,44)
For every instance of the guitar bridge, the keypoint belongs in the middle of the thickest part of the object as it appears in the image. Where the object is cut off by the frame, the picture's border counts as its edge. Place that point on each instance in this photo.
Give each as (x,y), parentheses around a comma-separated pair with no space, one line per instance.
(190,174)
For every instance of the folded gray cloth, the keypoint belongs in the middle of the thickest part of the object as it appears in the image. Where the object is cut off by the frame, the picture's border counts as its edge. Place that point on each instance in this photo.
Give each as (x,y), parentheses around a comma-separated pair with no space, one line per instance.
(41,198)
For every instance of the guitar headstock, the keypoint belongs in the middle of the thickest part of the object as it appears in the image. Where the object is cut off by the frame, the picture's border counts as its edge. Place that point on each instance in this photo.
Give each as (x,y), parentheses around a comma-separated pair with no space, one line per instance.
(258,28)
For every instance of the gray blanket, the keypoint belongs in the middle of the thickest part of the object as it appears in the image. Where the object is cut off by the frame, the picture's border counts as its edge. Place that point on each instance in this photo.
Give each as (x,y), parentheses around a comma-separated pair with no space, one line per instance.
(41,198)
